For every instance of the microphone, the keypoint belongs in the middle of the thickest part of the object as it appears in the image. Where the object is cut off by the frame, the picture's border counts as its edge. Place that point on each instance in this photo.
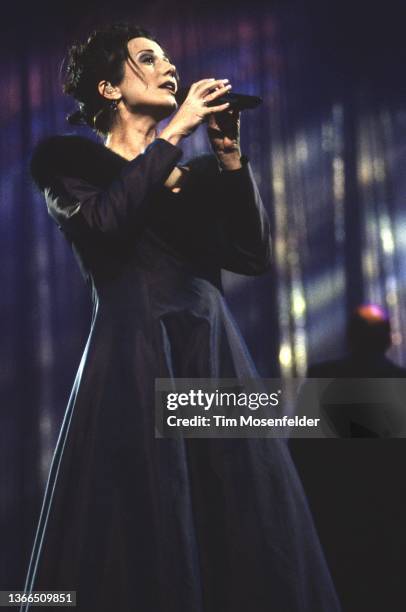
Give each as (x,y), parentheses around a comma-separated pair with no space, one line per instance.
(237,101)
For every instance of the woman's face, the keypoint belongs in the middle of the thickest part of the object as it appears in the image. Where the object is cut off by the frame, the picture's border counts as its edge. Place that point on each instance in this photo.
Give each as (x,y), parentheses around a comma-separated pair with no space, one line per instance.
(149,82)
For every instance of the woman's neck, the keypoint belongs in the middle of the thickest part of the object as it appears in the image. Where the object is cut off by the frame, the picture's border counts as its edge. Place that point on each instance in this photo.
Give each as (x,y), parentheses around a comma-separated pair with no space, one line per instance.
(131,135)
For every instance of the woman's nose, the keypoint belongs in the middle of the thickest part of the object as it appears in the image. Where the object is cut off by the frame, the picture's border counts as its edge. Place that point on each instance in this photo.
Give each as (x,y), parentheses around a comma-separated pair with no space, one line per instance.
(170,68)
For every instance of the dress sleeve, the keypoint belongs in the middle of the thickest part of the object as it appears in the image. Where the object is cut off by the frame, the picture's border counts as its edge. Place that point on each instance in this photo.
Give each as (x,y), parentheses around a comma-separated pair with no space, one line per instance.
(79,206)
(243,226)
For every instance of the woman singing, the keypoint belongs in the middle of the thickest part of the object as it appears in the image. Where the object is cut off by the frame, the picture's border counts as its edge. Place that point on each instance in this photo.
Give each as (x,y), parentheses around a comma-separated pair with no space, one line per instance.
(131,522)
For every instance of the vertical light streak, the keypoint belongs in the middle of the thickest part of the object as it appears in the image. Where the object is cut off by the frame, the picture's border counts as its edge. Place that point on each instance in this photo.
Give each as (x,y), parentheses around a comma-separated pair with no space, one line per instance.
(45,351)
(303,206)
(278,187)
(379,245)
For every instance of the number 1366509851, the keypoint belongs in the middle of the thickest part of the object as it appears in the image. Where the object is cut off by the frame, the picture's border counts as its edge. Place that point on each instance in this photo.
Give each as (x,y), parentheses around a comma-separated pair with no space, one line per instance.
(38,598)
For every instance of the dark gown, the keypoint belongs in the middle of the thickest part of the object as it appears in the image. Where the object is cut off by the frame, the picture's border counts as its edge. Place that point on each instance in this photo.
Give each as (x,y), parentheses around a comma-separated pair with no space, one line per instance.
(135,523)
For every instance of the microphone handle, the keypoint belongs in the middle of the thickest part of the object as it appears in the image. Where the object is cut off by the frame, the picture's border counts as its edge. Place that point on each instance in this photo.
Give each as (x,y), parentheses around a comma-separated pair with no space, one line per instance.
(237,101)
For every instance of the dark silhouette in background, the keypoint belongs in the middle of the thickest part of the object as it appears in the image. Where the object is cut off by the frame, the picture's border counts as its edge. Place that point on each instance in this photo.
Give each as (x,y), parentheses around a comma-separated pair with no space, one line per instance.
(369,338)
(363,400)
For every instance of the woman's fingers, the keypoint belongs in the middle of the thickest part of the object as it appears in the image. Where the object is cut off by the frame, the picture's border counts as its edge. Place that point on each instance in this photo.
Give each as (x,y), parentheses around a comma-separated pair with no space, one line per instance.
(194,109)
(218,109)
(205,85)
(208,90)
(214,86)
(218,93)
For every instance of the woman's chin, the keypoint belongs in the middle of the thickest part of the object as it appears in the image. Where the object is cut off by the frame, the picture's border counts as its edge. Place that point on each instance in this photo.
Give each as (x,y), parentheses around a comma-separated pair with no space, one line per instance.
(165,110)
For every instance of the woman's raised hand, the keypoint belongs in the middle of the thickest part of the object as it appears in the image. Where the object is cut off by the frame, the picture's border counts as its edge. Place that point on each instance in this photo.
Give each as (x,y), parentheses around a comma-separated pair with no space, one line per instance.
(194,109)
(224,135)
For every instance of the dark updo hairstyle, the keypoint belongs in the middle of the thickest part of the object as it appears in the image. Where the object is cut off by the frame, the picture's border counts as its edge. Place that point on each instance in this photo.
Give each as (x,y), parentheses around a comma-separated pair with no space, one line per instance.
(101,57)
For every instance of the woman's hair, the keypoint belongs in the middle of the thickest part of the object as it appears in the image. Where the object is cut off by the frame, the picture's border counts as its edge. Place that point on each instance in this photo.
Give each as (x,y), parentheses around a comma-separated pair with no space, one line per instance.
(101,57)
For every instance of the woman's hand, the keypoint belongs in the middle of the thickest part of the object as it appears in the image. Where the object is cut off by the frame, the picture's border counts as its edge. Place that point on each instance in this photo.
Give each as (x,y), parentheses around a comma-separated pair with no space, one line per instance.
(177,178)
(224,134)
(194,109)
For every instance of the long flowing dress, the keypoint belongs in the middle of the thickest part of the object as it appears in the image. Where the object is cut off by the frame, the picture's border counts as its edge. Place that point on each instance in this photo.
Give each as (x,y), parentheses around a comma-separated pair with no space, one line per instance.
(135,523)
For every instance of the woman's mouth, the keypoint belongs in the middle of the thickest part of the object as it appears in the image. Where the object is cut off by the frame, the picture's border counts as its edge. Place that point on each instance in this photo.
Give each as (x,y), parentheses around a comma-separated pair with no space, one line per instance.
(169,86)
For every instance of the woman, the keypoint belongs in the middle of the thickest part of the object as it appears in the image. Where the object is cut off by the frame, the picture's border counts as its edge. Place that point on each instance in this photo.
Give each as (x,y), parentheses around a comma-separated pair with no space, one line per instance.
(131,522)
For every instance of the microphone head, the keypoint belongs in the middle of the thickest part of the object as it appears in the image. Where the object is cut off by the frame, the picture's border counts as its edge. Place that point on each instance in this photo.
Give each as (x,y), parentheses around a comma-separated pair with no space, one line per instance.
(237,101)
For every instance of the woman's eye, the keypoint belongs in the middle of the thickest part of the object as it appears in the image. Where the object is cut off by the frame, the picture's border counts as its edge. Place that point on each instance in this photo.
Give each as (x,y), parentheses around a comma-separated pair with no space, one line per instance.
(147,59)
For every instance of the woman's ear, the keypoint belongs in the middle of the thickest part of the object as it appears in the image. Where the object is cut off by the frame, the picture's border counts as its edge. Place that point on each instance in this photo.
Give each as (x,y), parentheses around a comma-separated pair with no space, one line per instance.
(107,90)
